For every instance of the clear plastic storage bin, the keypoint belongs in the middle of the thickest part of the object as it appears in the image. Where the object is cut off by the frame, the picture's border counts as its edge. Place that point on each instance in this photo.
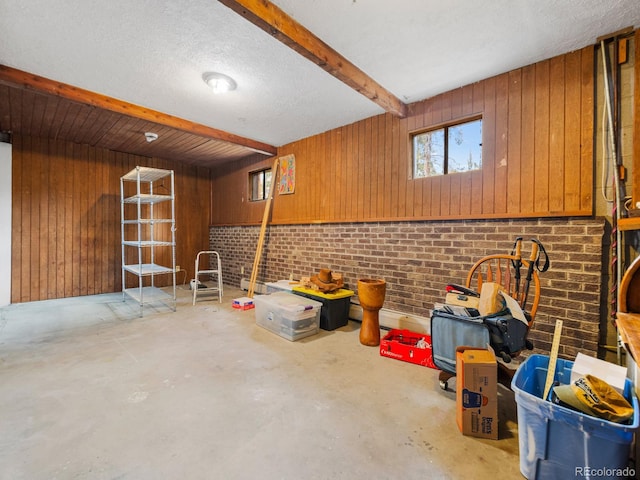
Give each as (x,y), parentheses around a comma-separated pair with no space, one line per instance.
(279,286)
(290,316)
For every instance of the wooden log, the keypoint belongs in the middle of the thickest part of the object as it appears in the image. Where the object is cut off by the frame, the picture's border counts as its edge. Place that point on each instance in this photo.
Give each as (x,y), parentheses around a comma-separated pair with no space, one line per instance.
(263,228)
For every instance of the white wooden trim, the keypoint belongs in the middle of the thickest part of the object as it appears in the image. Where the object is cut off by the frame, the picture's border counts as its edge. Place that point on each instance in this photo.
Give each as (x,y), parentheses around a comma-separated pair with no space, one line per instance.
(5,221)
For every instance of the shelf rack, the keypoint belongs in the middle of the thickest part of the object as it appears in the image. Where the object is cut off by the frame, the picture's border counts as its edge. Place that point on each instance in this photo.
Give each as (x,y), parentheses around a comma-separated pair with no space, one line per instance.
(148,231)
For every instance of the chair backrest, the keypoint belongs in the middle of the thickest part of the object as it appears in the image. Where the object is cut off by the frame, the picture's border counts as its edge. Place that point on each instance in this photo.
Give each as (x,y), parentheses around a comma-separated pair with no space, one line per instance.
(629,291)
(511,274)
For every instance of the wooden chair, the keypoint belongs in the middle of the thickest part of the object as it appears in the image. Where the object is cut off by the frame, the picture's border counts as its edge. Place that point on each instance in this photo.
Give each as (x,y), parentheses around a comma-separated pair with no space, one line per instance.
(628,314)
(501,269)
(629,291)
(509,271)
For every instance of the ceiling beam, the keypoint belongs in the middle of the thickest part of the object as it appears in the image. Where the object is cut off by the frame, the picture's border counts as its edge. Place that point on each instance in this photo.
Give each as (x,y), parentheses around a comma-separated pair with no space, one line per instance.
(29,81)
(277,23)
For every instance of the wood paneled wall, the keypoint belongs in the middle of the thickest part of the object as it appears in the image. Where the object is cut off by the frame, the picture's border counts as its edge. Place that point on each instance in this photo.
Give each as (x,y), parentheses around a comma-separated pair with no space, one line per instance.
(66,217)
(537,157)
(230,191)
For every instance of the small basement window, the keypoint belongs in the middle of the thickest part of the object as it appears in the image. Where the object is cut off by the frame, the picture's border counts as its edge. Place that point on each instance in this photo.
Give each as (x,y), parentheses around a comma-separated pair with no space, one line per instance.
(259,184)
(448,149)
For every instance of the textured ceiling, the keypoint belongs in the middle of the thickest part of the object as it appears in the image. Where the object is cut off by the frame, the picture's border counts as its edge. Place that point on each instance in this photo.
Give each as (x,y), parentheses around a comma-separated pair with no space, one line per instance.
(153,52)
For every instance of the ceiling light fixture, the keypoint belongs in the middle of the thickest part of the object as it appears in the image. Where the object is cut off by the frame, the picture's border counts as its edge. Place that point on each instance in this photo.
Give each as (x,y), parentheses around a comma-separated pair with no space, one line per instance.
(219,82)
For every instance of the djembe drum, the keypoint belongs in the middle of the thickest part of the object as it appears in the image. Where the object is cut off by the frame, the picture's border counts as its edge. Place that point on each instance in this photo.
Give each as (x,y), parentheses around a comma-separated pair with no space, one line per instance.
(371,294)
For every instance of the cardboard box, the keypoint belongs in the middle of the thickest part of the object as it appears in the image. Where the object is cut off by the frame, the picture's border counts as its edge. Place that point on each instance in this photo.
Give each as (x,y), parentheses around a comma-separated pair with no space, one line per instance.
(243,303)
(477,392)
(462,300)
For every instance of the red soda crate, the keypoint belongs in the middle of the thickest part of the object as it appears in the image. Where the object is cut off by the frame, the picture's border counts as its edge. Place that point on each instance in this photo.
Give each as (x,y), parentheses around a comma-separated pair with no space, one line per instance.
(408,346)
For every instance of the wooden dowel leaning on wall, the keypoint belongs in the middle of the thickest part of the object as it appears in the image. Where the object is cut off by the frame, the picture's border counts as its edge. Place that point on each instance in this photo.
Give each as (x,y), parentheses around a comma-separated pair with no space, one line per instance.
(263,228)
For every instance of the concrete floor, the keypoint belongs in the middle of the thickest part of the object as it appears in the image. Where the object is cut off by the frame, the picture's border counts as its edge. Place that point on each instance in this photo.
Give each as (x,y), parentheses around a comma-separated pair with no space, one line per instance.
(90,390)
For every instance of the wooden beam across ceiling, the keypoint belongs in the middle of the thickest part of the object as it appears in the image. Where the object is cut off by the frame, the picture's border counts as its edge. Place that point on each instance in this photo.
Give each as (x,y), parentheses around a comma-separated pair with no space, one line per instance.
(18,78)
(277,23)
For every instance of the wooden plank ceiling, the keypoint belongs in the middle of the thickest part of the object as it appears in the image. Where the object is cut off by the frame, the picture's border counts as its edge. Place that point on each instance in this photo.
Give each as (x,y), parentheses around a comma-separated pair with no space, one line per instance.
(31,109)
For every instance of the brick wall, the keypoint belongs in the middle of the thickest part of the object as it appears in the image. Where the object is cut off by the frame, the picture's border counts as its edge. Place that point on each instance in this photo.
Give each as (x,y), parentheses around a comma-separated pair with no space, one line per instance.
(417,259)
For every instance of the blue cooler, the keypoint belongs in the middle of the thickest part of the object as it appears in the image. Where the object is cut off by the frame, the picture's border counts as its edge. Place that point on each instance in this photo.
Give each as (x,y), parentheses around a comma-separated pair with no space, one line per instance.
(559,443)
